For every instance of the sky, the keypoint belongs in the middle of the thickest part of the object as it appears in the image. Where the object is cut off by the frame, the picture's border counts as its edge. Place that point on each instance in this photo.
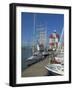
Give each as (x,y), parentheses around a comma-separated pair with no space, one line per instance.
(51,22)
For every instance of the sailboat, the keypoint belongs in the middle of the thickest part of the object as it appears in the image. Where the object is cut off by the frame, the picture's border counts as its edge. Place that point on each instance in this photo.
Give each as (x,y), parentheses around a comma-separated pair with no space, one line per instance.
(36,57)
(38,52)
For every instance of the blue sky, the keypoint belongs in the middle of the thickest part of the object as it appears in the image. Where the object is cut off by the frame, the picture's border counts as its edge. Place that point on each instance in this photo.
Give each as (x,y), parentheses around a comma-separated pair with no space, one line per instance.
(50,21)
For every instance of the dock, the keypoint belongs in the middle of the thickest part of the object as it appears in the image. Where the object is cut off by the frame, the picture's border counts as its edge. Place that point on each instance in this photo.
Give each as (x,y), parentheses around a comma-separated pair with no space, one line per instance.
(37,69)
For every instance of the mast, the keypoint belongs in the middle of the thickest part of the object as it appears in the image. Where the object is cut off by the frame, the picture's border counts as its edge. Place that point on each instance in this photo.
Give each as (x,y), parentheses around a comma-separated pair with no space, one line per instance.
(33,46)
(61,38)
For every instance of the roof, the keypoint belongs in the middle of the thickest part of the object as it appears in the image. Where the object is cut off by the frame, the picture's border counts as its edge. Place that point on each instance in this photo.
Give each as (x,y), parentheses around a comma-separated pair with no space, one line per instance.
(52,36)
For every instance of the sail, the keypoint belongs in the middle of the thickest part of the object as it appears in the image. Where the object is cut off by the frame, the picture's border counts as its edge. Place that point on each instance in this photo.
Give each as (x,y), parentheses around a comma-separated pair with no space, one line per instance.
(38,48)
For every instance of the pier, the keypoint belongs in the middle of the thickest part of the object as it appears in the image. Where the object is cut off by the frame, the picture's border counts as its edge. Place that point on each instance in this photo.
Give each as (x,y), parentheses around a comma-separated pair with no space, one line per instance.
(37,69)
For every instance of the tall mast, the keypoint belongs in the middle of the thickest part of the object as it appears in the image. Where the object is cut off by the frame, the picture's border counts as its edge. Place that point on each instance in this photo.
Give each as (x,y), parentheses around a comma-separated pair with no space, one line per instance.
(33,49)
(61,37)
(61,34)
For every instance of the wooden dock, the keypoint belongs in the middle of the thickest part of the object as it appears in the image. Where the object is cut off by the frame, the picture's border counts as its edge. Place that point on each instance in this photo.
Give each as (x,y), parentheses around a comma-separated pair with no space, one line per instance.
(37,69)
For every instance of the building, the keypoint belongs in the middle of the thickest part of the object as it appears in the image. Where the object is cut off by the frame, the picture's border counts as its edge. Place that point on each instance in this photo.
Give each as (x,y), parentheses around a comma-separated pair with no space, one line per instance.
(41,37)
(53,40)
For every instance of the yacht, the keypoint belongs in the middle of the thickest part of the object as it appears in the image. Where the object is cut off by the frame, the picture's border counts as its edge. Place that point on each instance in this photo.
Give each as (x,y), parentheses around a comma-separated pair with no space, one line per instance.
(55,69)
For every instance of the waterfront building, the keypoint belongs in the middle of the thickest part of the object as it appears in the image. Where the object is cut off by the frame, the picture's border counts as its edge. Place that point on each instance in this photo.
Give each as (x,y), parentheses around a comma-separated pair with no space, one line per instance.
(53,40)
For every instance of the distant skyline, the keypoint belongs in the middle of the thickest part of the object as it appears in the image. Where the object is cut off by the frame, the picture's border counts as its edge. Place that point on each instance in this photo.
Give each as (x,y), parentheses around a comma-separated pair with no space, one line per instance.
(50,21)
